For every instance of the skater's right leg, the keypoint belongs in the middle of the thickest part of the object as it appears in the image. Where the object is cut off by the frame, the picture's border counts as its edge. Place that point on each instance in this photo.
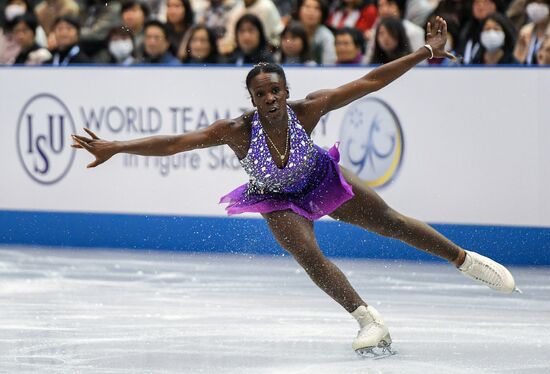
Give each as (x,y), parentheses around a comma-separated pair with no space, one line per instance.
(295,234)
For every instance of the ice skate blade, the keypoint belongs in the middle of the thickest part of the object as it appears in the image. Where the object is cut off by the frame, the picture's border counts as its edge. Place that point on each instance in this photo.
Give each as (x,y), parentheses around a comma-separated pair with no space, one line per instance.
(376,353)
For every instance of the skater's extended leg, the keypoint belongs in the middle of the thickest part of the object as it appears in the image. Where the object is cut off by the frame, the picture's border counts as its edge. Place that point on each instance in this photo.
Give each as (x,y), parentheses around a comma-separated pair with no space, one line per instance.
(295,234)
(369,211)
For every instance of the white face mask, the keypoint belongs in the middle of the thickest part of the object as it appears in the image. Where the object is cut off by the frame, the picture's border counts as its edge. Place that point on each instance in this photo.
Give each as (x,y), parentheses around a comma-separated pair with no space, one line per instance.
(537,12)
(492,39)
(14,10)
(121,49)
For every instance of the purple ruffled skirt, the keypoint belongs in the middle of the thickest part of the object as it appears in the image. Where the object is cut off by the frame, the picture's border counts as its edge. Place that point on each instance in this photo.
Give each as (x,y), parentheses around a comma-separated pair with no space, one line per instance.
(326,191)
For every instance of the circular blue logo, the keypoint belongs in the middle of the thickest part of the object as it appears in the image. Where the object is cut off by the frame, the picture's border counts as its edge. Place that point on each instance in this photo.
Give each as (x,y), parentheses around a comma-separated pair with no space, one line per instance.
(372,141)
(44,128)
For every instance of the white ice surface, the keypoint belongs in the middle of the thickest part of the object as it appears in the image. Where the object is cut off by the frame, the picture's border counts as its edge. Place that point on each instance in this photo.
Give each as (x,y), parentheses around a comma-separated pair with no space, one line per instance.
(78,311)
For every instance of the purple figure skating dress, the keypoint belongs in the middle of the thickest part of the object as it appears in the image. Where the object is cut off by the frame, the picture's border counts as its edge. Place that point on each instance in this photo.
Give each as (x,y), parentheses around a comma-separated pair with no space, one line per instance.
(310,184)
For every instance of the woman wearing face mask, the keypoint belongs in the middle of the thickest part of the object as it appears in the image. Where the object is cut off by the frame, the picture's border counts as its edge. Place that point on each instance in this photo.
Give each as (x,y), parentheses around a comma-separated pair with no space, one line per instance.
(120,47)
(497,41)
(532,34)
(468,44)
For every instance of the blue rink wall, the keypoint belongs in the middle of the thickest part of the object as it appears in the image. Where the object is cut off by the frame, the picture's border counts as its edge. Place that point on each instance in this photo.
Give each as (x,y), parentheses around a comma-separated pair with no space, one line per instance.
(510,245)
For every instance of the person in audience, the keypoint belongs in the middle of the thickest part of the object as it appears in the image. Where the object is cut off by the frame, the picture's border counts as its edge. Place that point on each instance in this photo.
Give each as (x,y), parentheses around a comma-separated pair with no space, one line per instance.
(350,46)
(418,11)
(294,45)
(202,46)
(497,41)
(396,8)
(134,14)
(9,49)
(531,35)
(120,47)
(216,16)
(359,14)
(156,9)
(391,41)
(47,11)
(543,54)
(285,8)
(468,45)
(313,15)
(156,46)
(98,19)
(13,8)
(252,47)
(67,32)
(516,14)
(268,14)
(24,33)
(179,19)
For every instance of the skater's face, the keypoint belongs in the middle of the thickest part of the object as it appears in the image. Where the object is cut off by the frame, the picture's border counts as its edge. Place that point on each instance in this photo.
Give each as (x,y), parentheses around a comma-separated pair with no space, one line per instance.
(269,94)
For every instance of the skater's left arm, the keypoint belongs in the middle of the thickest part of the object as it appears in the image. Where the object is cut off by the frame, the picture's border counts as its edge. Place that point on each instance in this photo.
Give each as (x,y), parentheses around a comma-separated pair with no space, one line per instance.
(324,101)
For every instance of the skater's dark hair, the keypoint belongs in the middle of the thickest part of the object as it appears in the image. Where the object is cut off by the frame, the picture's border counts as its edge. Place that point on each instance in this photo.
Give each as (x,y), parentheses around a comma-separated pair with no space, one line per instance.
(264,67)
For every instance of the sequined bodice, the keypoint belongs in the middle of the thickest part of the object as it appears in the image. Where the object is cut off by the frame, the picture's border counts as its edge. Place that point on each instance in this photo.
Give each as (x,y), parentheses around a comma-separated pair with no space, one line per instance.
(265,176)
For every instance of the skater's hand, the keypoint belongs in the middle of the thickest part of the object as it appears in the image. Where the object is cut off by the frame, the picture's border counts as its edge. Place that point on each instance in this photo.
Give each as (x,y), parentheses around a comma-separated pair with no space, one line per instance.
(436,37)
(101,149)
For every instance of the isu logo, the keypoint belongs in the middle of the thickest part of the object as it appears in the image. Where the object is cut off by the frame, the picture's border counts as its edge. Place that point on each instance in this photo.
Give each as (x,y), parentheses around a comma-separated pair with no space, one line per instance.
(43,138)
(372,141)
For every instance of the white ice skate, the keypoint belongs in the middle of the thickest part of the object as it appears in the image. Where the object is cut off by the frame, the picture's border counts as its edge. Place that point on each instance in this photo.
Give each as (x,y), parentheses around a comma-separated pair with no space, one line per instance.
(373,340)
(488,272)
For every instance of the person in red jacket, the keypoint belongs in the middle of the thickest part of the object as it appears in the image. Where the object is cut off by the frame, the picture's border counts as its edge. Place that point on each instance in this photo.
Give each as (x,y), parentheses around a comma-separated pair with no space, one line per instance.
(358,14)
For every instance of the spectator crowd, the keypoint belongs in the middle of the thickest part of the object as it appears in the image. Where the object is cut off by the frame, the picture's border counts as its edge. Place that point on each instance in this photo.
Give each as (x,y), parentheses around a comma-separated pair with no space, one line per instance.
(311,32)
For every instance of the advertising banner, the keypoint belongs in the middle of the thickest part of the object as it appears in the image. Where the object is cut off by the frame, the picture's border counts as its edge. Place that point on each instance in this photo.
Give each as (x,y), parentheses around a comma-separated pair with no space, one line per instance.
(445,145)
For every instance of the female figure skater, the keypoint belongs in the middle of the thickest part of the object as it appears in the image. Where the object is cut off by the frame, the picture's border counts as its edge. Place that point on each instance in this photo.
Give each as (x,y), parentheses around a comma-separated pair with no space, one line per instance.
(293,182)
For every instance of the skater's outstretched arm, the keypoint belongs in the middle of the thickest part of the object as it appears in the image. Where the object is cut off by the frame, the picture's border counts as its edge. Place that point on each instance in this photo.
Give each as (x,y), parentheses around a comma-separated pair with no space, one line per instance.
(323,101)
(220,132)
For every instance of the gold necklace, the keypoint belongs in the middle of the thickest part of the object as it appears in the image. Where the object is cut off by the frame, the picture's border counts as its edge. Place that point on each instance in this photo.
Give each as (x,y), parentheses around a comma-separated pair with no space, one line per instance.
(282,156)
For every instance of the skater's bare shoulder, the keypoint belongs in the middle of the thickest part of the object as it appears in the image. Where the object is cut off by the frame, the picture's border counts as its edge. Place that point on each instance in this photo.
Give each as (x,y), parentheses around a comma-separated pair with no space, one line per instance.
(236,132)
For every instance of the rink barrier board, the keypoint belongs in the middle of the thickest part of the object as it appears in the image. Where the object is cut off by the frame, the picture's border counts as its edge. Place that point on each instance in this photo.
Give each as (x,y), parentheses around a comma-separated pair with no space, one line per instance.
(513,245)
(451,172)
